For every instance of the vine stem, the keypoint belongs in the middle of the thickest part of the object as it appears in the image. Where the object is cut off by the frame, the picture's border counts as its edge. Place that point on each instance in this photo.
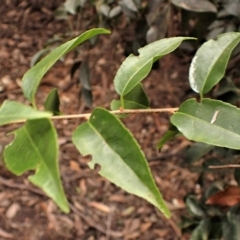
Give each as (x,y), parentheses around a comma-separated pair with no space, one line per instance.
(115,112)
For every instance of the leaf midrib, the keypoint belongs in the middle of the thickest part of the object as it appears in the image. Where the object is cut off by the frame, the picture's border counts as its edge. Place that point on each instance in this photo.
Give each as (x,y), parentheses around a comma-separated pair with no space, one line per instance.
(40,156)
(156,55)
(212,65)
(214,125)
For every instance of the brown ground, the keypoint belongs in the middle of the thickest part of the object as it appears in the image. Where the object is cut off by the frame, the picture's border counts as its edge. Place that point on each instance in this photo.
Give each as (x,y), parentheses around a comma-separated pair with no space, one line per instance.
(99,210)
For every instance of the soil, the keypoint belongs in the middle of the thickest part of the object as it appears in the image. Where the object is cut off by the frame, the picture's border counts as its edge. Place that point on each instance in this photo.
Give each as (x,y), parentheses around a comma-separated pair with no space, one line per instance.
(99,210)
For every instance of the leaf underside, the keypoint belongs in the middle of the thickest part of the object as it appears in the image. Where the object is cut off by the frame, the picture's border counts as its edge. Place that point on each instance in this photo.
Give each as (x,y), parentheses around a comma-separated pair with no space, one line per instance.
(209,63)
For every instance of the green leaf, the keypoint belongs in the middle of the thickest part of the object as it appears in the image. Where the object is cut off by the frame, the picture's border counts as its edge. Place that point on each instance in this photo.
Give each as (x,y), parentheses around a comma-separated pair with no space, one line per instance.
(135,68)
(84,79)
(32,77)
(194,207)
(116,105)
(35,147)
(209,63)
(231,230)
(84,75)
(115,150)
(226,85)
(52,102)
(187,222)
(38,55)
(211,121)
(12,111)
(216,228)
(135,99)
(171,133)
(202,231)
(87,96)
(196,151)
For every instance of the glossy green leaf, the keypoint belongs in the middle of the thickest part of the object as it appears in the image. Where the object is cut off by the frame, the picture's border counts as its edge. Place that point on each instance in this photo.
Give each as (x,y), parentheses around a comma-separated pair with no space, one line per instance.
(117,152)
(36,57)
(211,121)
(52,102)
(194,207)
(135,68)
(226,85)
(35,147)
(116,105)
(187,222)
(135,99)
(32,77)
(231,229)
(87,96)
(202,231)
(12,111)
(171,133)
(84,79)
(84,75)
(209,63)
(196,151)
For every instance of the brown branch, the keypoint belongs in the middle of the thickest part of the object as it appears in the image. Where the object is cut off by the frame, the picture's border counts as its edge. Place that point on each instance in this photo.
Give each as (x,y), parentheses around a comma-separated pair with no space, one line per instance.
(10,184)
(225,166)
(116,112)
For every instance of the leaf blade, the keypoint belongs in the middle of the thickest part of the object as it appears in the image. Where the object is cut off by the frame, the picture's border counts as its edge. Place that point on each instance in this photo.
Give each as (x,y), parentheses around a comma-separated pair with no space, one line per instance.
(135,99)
(209,63)
(121,160)
(12,111)
(36,145)
(52,102)
(171,133)
(208,122)
(135,68)
(32,77)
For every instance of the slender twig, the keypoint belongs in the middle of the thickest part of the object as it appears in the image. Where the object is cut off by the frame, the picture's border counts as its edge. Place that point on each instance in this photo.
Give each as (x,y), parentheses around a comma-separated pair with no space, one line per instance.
(172,224)
(10,184)
(116,112)
(225,166)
